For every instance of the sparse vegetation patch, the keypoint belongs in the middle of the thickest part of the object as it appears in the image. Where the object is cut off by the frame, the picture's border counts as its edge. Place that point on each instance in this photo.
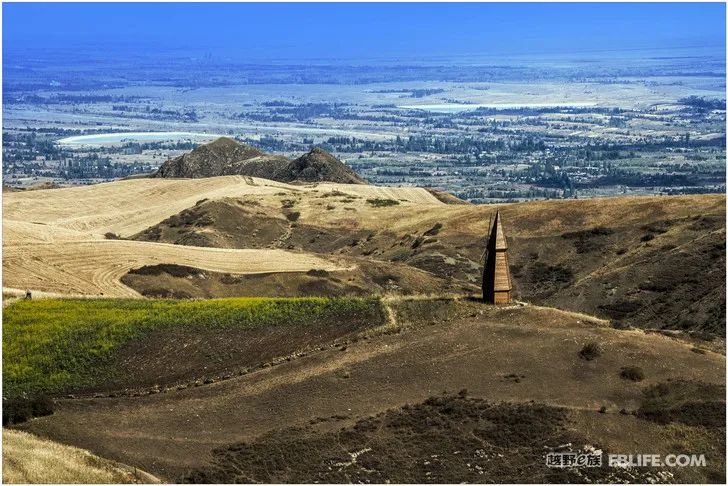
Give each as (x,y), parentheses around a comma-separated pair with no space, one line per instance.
(547,278)
(51,346)
(632,373)
(445,439)
(434,230)
(381,203)
(19,410)
(588,240)
(591,350)
(688,402)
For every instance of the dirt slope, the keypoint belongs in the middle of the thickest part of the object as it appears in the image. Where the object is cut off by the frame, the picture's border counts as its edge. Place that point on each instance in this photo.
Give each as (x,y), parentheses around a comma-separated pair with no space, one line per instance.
(363,278)
(450,438)
(514,354)
(650,262)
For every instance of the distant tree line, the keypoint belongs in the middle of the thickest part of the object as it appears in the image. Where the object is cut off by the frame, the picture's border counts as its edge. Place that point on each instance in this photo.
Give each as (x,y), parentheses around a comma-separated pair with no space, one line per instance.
(413,92)
(703,103)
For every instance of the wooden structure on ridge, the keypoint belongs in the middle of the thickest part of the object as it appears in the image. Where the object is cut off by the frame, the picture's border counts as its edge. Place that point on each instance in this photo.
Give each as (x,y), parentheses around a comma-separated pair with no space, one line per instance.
(497,285)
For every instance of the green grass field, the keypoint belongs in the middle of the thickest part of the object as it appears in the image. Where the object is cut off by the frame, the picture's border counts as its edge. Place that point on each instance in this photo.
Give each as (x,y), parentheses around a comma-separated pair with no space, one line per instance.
(50,346)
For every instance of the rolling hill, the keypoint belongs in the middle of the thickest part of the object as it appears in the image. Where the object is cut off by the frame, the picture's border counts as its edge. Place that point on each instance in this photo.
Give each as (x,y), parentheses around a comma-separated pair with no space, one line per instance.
(225,156)
(403,358)
(510,354)
(654,262)
(67,241)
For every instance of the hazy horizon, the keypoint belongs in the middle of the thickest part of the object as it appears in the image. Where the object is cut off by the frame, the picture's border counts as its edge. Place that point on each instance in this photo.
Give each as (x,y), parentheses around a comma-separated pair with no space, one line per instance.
(469,33)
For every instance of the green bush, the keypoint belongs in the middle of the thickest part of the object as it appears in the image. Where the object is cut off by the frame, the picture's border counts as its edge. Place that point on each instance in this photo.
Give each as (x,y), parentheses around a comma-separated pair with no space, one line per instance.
(52,345)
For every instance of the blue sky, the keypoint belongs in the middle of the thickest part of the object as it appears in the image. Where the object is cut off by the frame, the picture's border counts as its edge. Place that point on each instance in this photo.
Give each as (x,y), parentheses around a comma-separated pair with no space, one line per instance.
(351,31)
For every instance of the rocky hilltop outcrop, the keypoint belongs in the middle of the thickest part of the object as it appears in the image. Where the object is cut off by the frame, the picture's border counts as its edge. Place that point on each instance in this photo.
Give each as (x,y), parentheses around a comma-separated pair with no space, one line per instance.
(319,165)
(226,156)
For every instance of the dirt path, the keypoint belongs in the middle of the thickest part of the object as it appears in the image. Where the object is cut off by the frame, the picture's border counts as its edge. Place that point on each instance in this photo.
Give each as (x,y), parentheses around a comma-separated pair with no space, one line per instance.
(513,354)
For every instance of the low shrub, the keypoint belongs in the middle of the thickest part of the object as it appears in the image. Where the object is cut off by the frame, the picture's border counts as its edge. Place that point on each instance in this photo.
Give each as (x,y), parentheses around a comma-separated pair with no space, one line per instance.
(703,335)
(333,193)
(620,325)
(590,351)
(19,410)
(588,240)
(551,274)
(399,255)
(434,230)
(379,202)
(684,401)
(621,309)
(632,373)
(293,216)
(317,273)
(172,269)
(658,227)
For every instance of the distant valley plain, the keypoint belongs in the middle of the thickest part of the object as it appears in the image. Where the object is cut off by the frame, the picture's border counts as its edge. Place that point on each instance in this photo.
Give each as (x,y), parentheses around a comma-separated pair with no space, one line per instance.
(487,130)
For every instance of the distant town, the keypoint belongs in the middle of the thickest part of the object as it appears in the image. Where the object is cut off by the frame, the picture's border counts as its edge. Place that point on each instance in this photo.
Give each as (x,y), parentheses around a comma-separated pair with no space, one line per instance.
(485,133)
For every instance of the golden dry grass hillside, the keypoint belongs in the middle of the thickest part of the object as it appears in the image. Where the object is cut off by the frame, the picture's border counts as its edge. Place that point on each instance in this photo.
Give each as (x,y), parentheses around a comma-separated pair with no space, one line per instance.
(65,240)
(30,459)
